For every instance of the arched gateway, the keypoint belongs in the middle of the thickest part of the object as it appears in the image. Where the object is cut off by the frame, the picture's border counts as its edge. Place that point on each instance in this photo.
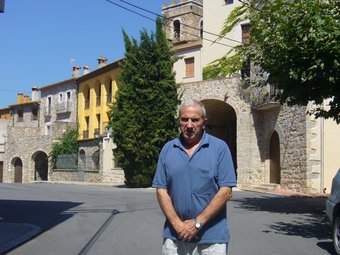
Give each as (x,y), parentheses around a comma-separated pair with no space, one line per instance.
(40,166)
(222,123)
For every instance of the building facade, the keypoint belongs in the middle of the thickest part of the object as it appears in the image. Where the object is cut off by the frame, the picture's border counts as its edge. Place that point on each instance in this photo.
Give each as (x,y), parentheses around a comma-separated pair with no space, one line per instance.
(36,124)
(96,92)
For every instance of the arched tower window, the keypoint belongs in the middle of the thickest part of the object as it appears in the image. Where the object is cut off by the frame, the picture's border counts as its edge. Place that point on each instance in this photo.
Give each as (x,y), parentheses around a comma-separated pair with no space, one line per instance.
(177,30)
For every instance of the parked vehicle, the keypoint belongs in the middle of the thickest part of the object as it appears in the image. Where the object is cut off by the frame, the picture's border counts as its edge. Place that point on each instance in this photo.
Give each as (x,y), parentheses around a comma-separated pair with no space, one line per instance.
(333,210)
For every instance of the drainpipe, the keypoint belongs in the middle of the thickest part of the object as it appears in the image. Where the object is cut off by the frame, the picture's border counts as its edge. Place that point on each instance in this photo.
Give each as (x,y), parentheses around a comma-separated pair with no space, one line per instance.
(322,169)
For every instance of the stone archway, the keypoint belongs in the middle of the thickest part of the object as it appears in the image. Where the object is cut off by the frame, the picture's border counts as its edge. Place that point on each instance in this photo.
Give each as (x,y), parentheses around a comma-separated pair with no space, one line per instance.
(40,159)
(222,123)
(17,166)
(274,155)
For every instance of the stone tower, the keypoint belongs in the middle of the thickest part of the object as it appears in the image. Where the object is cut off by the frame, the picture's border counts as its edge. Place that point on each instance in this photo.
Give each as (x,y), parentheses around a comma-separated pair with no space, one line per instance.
(183,21)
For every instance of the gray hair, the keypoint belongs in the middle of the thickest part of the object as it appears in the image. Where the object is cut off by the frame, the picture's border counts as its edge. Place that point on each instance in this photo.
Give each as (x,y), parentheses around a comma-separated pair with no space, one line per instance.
(190,103)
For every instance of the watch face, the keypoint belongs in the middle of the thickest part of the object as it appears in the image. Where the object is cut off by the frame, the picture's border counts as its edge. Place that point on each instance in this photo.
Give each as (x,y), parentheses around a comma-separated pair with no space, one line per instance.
(197,225)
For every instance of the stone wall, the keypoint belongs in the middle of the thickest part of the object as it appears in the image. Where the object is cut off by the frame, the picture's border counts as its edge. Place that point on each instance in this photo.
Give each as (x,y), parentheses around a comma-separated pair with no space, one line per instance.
(23,143)
(254,130)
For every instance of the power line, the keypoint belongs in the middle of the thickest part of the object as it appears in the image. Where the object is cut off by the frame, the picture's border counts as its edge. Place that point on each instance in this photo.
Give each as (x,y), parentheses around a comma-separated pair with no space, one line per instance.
(137,13)
(143,9)
(162,16)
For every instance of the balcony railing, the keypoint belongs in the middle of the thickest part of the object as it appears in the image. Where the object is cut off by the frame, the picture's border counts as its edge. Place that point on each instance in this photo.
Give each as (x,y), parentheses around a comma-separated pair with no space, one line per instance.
(64,107)
(85,134)
(96,133)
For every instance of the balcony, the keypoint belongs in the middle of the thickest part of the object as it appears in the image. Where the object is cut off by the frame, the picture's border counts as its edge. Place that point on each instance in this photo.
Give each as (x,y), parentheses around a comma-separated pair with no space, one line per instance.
(64,107)
(85,134)
(96,133)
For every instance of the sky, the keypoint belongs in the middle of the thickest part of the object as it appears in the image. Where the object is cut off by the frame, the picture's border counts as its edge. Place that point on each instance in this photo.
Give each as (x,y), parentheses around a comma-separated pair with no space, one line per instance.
(40,40)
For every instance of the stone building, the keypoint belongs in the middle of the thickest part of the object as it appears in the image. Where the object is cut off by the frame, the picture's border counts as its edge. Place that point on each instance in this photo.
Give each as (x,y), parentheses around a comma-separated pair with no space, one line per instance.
(5,116)
(36,124)
(273,146)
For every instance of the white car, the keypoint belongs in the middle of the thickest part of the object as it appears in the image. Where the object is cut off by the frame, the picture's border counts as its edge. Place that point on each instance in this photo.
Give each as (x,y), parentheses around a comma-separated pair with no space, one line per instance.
(333,210)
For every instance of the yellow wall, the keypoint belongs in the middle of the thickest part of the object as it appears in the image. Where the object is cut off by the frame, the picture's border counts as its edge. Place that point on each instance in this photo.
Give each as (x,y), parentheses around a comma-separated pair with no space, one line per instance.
(97,114)
(5,113)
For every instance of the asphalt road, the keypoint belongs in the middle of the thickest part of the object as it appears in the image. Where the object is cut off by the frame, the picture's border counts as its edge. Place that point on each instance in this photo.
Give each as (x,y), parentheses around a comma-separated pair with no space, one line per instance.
(99,220)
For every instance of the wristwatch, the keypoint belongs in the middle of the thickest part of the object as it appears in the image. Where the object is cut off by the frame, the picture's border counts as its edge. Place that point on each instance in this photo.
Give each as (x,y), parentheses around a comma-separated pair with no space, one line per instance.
(197,224)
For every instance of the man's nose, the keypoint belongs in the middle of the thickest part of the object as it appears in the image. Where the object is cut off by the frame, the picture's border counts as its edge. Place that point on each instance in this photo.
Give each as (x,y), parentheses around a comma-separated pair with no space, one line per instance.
(190,124)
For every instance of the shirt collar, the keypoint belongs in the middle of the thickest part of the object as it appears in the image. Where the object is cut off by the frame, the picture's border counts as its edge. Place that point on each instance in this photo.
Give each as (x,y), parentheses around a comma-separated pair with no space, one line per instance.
(203,143)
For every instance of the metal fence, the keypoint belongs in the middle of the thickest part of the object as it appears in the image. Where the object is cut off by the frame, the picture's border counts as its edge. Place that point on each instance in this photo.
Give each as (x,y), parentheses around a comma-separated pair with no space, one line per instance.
(78,162)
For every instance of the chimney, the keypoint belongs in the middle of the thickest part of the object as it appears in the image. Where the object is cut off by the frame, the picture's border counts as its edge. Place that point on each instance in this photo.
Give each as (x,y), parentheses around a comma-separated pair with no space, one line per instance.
(102,61)
(86,70)
(20,98)
(35,93)
(26,99)
(76,72)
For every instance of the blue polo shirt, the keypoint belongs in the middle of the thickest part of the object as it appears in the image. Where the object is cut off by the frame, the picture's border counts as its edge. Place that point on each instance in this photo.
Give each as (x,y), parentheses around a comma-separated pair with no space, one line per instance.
(193,182)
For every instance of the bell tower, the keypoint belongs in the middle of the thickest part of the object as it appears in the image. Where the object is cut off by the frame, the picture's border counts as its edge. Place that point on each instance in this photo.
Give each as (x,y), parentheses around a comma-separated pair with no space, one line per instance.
(184,29)
(183,21)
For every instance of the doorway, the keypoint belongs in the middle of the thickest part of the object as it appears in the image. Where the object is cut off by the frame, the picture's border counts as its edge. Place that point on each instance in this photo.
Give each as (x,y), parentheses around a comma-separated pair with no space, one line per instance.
(274,151)
(17,170)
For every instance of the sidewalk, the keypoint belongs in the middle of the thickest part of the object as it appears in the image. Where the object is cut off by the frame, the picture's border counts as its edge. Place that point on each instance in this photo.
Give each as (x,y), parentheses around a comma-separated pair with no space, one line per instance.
(14,234)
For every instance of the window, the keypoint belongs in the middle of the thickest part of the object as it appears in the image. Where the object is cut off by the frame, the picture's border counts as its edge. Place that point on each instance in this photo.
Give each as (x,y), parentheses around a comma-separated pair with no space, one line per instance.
(87,98)
(245,34)
(109,93)
(68,96)
(34,114)
(48,106)
(60,98)
(99,95)
(229,1)
(48,129)
(20,115)
(177,30)
(189,67)
(68,100)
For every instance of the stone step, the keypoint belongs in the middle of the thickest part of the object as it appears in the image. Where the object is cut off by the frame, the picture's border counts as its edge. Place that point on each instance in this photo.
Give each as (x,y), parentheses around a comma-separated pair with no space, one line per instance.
(266,186)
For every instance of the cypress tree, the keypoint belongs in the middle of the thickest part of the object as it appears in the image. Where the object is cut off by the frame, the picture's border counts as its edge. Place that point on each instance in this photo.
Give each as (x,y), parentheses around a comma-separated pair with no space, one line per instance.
(143,117)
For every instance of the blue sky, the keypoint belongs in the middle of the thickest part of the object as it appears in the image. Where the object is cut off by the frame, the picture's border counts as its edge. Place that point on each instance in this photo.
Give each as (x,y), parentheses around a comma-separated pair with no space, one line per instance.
(40,39)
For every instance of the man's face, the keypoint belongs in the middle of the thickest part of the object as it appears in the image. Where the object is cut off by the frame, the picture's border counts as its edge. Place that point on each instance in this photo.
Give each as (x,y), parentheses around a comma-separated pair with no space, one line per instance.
(191,124)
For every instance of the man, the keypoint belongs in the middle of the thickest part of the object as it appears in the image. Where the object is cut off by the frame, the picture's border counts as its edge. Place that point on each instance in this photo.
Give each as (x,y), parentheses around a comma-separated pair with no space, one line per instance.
(193,181)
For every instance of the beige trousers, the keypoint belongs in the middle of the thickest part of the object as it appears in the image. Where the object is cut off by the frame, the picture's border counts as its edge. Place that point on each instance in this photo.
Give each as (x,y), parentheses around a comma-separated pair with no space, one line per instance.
(171,247)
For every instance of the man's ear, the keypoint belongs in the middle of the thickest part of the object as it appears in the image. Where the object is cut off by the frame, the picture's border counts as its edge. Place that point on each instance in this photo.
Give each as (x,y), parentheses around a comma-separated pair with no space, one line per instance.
(205,122)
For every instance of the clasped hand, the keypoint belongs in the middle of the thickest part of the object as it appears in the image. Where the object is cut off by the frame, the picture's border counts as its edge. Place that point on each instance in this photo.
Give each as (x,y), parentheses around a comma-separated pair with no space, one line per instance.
(187,230)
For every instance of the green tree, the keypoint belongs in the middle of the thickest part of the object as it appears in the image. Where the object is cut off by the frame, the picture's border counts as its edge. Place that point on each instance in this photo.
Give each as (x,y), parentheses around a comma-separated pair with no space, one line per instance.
(296,43)
(68,144)
(143,117)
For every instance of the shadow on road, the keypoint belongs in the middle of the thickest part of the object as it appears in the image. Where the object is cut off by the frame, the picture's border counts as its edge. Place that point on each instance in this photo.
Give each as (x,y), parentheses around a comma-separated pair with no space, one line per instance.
(45,214)
(309,218)
(310,222)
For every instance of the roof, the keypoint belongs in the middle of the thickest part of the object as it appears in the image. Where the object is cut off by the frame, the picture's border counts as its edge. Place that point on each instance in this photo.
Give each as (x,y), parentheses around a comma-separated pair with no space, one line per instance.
(24,104)
(100,71)
(58,84)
